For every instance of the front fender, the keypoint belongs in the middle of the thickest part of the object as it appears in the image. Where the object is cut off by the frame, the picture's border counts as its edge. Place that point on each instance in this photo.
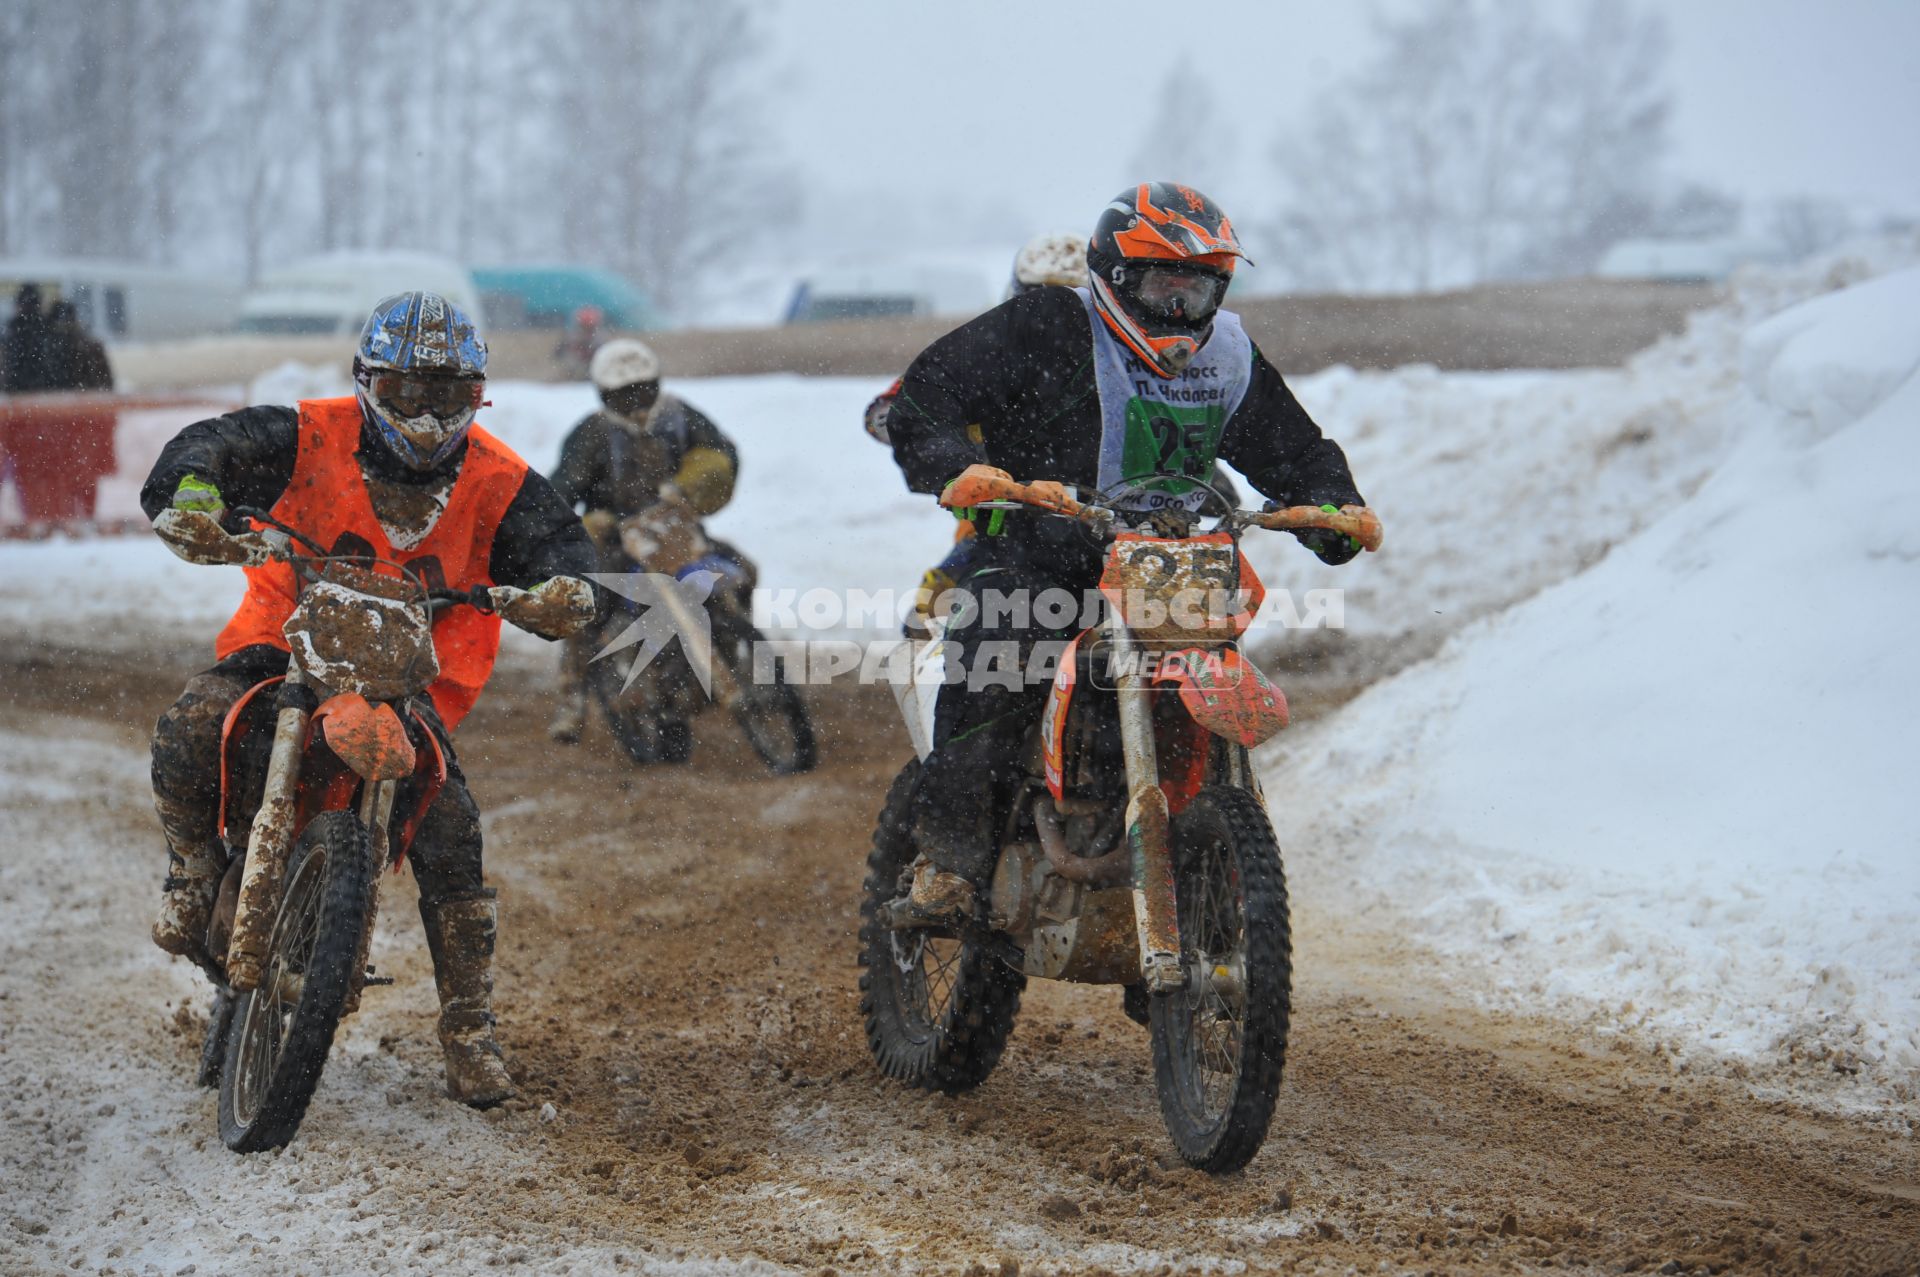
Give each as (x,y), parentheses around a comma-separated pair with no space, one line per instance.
(367,737)
(1225,692)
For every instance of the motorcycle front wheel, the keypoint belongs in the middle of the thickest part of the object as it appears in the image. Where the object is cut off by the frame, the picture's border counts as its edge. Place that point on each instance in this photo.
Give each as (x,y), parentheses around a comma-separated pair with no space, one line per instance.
(938,1007)
(281,1032)
(1220,1043)
(645,735)
(770,713)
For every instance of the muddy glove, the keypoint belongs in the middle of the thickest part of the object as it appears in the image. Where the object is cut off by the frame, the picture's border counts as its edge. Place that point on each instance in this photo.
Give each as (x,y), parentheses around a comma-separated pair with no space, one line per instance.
(1333,548)
(191,528)
(555,608)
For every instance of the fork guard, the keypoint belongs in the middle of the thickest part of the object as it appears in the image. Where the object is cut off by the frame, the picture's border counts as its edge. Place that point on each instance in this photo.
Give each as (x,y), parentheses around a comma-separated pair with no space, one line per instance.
(1225,693)
(367,737)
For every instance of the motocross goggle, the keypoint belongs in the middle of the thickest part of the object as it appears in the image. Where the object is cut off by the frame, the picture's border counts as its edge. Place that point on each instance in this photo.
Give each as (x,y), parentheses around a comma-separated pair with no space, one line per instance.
(632,401)
(1176,294)
(410,395)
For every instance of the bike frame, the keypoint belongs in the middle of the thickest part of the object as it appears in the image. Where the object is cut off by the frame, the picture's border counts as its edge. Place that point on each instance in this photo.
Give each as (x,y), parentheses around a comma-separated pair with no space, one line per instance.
(1143,570)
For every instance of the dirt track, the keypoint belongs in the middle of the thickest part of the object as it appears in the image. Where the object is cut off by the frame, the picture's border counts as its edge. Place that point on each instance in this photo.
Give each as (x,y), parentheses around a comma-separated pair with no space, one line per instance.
(677,981)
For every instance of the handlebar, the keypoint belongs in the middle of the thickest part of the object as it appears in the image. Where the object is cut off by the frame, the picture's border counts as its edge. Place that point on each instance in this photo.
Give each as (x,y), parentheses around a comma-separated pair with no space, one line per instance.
(981,485)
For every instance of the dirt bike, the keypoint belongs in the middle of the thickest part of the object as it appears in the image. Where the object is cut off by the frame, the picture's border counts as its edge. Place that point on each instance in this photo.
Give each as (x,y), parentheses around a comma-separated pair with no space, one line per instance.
(326,773)
(651,713)
(1133,849)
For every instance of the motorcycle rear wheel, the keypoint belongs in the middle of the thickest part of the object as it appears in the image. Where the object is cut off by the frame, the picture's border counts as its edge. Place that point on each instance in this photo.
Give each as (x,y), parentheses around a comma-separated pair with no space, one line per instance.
(281,1031)
(938,1007)
(1220,1044)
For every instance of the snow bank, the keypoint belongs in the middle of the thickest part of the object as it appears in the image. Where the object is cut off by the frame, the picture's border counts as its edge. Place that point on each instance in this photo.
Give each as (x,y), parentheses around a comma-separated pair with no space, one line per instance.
(1671,792)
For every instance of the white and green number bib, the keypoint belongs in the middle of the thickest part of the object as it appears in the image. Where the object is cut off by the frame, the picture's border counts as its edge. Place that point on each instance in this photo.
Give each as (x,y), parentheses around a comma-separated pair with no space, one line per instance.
(1150,424)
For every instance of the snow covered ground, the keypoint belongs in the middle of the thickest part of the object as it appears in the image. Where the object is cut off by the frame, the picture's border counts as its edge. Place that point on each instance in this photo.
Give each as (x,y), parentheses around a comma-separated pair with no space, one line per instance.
(1650,779)
(1672,793)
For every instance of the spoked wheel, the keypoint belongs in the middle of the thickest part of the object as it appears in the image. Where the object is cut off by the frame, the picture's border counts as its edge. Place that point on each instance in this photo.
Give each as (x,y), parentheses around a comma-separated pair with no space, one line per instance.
(770,713)
(645,734)
(281,1031)
(1220,1043)
(938,1007)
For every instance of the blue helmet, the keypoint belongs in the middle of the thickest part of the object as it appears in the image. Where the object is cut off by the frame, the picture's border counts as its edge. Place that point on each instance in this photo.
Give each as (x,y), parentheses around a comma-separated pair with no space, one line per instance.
(419,373)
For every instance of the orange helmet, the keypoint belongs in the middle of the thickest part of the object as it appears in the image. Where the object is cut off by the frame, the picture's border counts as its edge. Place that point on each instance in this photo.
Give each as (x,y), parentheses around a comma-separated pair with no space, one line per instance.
(1160,260)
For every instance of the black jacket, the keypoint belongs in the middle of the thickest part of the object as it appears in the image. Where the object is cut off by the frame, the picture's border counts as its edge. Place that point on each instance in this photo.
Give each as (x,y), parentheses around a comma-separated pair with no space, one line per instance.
(250,455)
(607,466)
(1023,373)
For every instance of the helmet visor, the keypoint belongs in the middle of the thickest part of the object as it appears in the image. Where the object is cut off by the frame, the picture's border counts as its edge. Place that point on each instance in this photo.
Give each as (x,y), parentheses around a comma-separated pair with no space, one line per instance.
(634,401)
(410,395)
(1178,294)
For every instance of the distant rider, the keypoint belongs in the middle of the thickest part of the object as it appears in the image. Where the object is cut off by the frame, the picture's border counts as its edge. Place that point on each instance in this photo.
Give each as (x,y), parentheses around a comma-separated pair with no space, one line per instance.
(1139,373)
(399,471)
(644,445)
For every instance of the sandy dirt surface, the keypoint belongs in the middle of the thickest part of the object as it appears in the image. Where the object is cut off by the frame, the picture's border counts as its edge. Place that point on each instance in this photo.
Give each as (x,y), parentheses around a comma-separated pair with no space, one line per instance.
(1581,323)
(678,1001)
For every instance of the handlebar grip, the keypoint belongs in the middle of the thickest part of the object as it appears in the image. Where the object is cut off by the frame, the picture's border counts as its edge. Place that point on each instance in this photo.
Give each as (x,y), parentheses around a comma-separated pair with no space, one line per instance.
(1356,521)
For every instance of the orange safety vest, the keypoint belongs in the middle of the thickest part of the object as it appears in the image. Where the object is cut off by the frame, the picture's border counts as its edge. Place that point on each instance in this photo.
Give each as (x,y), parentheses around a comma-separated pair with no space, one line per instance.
(327,500)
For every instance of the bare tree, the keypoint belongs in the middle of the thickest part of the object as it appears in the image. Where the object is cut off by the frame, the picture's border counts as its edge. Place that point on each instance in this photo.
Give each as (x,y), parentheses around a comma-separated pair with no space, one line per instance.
(622,133)
(1480,141)
(1805,225)
(1188,138)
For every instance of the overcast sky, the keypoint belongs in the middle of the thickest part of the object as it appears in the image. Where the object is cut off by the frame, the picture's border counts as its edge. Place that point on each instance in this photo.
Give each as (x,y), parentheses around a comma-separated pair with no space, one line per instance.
(943,115)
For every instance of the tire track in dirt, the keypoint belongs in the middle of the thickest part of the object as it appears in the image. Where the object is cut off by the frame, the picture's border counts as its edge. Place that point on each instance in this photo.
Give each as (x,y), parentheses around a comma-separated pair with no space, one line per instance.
(677,981)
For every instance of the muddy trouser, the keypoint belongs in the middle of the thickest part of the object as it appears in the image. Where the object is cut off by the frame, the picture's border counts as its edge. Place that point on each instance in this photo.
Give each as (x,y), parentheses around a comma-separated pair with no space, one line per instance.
(445,855)
(999,669)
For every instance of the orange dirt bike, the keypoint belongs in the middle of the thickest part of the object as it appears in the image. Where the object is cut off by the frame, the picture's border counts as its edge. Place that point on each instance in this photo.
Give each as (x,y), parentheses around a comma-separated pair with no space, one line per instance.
(650,713)
(1134,847)
(326,773)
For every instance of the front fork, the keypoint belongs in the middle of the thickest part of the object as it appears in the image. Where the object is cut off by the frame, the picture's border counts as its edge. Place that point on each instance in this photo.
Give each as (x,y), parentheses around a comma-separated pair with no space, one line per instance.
(272,837)
(271,840)
(1155,913)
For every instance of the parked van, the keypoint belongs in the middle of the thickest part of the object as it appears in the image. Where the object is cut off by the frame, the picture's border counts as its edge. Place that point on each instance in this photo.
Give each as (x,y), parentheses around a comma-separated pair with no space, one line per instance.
(550,296)
(332,294)
(121,301)
(896,291)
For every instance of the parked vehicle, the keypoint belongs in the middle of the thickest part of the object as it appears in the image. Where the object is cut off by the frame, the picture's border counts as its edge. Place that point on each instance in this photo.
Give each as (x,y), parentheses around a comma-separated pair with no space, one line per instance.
(550,297)
(122,301)
(1134,844)
(888,291)
(331,294)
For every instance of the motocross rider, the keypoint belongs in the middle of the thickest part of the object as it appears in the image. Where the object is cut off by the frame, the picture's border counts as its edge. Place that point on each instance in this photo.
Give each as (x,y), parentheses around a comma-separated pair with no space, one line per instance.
(643,446)
(397,470)
(1054,260)
(1137,373)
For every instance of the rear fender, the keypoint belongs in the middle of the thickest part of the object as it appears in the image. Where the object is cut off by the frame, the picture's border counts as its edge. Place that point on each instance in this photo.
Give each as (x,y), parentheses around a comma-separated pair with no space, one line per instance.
(367,736)
(1225,692)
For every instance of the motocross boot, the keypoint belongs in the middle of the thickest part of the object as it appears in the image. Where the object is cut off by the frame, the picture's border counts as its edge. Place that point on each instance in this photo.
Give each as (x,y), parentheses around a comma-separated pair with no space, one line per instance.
(186,905)
(570,714)
(939,896)
(569,717)
(460,936)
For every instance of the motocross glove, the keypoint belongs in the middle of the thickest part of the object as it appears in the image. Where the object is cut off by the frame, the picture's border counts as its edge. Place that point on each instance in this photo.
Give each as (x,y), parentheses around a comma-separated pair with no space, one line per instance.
(1332,548)
(195,493)
(996,519)
(555,608)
